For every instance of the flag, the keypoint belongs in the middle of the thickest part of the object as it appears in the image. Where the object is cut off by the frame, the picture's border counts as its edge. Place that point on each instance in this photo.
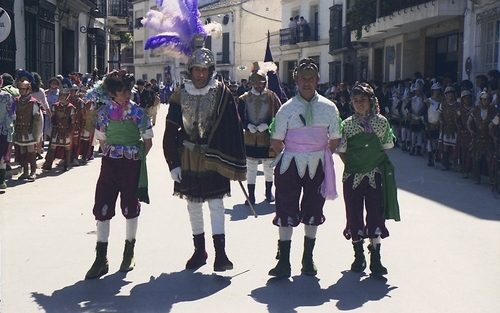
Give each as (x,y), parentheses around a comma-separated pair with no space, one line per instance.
(274,82)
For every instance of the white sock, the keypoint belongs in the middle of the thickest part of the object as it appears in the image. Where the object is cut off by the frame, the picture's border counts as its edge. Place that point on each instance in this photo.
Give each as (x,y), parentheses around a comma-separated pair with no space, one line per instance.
(375,241)
(310,231)
(285,233)
(131,228)
(103,231)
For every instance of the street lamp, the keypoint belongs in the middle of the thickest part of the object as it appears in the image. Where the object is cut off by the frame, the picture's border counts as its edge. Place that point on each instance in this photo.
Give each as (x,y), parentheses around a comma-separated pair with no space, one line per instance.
(92,11)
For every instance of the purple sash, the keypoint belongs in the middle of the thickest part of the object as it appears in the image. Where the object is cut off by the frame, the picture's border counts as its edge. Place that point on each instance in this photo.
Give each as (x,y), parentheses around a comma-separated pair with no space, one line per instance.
(310,139)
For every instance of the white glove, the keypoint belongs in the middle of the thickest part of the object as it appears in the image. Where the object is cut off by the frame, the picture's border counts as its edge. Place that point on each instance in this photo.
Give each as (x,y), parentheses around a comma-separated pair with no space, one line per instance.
(176,174)
(252,128)
(262,127)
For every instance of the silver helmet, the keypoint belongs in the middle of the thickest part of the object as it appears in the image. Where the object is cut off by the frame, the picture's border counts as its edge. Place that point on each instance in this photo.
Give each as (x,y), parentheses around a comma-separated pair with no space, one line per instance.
(201,57)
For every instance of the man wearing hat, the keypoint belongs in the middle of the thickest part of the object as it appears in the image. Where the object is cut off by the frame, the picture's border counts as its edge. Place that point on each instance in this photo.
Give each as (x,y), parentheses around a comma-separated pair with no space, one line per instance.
(6,130)
(306,132)
(447,118)
(28,127)
(482,143)
(465,139)
(257,108)
(368,178)
(63,121)
(431,121)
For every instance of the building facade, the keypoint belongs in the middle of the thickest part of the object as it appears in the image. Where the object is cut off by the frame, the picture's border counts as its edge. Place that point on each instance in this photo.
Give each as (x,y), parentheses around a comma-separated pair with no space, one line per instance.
(53,37)
(386,40)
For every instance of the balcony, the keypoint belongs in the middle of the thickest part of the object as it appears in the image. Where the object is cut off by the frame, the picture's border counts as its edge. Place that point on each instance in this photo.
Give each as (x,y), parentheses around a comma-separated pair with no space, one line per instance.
(293,36)
(340,38)
(118,16)
(392,17)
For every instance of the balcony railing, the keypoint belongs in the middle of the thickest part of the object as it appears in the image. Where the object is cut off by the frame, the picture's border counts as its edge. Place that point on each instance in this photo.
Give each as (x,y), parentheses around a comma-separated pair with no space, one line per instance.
(292,36)
(118,8)
(340,38)
(383,8)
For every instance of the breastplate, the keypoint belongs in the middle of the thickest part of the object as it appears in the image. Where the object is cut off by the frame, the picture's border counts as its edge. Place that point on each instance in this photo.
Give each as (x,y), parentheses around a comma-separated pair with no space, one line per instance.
(417,105)
(257,108)
(198,113)
(433,111)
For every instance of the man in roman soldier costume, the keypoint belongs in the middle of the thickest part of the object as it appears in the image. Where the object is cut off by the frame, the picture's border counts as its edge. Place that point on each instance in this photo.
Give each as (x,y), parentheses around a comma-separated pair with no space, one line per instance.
(306,132)
(447,118)
(125,134)
(77,102)
(431,121)
(482,143)
(28,127)
(395,114)
(416,108)
(257,109)
(465,139)
(63,121)
(7,116)
(203,139)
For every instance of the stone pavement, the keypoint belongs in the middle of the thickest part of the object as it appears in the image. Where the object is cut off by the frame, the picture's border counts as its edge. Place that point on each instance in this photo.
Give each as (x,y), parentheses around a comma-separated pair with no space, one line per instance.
(442,257)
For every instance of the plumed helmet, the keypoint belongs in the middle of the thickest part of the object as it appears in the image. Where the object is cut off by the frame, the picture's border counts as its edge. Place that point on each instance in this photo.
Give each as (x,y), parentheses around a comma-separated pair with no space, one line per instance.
(201,57)
(25,75)
(258,75)
(449,89)
(436,86)
(465,93)
(74,87)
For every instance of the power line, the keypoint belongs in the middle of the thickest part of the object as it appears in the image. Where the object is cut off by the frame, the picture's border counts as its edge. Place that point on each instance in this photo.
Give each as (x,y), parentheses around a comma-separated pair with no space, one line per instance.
(261,16)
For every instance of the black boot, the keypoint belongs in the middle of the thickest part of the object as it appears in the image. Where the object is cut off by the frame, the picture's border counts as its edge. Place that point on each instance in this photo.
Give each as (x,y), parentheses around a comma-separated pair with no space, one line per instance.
(403,146)
(430,156)
(359,263)
(251,194)
(269,191)
(283,268)
(445,161)
(376,266)
(3,185)
(67,159)
(419,151)
(101,265)
(200,255)
(221,263)
(308,266)
(128,261)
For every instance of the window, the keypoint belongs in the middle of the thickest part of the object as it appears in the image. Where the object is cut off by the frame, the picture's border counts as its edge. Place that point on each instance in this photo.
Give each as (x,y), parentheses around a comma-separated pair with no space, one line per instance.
(487,42)
(139,49)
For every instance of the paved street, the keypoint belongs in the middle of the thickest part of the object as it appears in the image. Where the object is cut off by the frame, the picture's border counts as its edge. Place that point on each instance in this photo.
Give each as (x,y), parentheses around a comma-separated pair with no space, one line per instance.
(442,257)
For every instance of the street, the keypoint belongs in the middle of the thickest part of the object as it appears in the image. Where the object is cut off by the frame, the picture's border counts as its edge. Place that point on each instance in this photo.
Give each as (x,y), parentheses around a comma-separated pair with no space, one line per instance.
(442,256)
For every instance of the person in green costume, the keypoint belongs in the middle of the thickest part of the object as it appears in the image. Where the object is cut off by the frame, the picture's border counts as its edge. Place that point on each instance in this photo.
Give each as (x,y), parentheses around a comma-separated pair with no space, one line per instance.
(125,135)
(368,179)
